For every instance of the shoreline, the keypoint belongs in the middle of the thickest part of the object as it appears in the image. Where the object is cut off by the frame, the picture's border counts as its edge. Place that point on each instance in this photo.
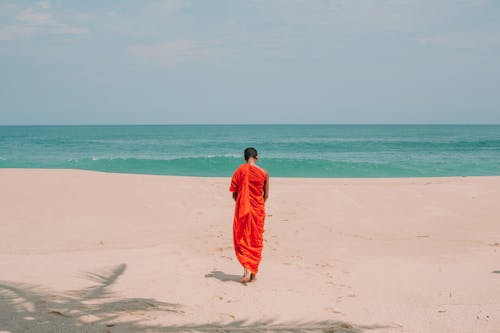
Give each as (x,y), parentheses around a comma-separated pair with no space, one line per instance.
(84,249)
(271,176)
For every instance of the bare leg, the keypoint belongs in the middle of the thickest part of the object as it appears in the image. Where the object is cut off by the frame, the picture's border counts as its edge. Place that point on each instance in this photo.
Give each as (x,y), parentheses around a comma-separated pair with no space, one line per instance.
(246,276)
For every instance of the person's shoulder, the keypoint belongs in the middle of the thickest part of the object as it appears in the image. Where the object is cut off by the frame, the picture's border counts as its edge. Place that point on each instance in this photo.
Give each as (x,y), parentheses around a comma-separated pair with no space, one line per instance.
(240,168)
(264,171)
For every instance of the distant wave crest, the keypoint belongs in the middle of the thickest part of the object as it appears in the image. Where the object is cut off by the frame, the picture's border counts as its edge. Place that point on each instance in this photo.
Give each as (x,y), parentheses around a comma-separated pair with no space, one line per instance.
(223,166)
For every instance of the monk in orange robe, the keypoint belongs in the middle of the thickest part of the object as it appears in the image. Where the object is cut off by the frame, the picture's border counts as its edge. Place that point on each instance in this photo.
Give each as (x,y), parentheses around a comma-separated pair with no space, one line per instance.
(250,187)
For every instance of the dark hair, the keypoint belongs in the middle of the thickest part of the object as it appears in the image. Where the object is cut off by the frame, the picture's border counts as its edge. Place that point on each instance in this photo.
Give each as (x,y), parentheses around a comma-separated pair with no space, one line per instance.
(250,152)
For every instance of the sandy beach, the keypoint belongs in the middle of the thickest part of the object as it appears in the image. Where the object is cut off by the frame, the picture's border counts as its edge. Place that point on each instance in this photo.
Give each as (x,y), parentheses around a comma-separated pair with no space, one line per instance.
(85,251)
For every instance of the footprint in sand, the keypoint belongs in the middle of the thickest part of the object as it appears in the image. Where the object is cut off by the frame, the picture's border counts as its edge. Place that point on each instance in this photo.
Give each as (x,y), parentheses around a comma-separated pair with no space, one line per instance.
(333,310)
(324,265)
(219,297)
(344,286)
(227,315)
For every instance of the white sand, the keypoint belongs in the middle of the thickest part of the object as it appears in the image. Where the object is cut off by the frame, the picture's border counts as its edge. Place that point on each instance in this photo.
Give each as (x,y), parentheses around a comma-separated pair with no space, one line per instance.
(82,251)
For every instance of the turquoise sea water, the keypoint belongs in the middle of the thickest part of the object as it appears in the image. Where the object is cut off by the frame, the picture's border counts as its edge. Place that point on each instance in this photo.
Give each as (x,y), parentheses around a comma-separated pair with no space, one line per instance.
(285,150)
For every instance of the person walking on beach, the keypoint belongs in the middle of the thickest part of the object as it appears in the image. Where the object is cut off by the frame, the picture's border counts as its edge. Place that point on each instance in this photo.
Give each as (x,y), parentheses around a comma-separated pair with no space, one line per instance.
(250,187)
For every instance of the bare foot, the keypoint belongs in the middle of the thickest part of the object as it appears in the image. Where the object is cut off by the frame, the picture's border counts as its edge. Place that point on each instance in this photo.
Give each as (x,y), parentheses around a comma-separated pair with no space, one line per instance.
(246,276)
(245,279)
(253,277)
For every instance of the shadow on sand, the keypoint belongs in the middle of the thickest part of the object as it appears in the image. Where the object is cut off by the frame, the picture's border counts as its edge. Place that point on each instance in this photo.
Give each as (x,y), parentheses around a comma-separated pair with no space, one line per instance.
(27,308)
(223,276)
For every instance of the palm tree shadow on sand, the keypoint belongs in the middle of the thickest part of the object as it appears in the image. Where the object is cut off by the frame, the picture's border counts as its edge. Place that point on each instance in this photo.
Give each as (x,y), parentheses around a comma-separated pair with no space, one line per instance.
(28,308)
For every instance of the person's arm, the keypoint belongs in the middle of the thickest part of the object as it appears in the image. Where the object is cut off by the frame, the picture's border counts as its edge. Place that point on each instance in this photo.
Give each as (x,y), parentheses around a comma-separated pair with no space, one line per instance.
(234,184)
(266,188)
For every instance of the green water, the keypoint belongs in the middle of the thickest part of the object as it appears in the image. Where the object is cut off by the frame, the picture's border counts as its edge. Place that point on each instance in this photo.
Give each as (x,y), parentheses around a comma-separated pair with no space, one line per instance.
(285,150)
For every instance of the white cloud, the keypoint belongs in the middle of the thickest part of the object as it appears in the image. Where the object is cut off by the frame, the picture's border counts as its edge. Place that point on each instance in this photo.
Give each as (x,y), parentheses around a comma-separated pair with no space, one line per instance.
(13,32)
(37,21)
(366,16)
(63,29)
(170,6)
(173,53)
(44,4)
(321,28)
(34,18)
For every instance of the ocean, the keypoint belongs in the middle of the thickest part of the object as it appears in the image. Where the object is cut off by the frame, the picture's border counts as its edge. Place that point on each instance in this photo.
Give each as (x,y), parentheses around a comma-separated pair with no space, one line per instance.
(284,150)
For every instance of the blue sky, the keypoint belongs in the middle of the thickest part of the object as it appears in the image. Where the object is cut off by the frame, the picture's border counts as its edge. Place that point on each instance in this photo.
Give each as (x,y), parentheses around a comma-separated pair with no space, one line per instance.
(253,61)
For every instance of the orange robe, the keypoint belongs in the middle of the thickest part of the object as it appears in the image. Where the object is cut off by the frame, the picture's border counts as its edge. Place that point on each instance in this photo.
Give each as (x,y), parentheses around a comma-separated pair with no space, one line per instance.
(249,214)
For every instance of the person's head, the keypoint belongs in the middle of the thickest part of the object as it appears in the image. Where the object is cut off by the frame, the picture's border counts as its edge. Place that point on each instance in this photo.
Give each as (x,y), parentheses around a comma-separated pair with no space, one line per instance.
(250,153)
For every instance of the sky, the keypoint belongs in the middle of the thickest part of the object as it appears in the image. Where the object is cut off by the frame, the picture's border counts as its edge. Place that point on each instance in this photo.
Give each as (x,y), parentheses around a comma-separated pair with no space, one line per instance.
(249,61)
